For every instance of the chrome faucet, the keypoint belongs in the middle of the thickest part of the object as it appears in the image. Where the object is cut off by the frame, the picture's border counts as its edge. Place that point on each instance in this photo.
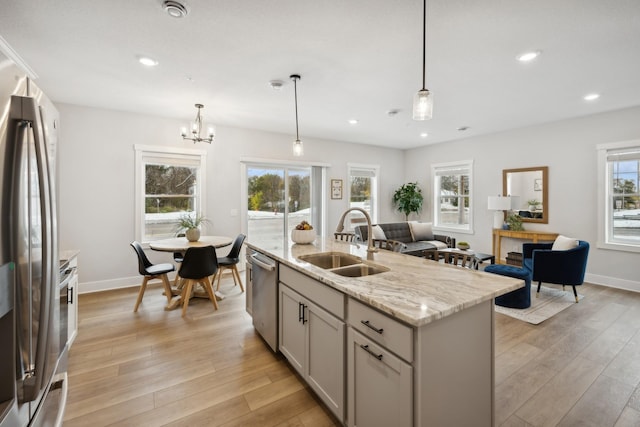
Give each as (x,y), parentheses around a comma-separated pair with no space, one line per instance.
(370,248)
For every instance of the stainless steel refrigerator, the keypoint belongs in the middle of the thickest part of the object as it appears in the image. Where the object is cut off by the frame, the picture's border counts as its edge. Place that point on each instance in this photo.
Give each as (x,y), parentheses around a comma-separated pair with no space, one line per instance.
(32,378)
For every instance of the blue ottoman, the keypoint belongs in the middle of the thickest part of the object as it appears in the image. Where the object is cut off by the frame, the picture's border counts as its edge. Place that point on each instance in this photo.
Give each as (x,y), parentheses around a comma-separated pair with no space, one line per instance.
(520,298)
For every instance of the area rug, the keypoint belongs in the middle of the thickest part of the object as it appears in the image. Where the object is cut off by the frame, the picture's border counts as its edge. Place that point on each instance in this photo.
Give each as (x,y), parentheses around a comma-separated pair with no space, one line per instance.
(550,302)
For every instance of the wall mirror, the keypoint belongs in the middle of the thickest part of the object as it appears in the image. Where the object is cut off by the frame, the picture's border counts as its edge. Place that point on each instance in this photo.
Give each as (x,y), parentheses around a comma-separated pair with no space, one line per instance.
(530,189)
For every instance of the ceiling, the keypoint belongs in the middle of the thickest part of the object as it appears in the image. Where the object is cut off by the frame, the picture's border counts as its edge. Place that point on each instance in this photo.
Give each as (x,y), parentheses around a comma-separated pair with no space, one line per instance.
(357,58)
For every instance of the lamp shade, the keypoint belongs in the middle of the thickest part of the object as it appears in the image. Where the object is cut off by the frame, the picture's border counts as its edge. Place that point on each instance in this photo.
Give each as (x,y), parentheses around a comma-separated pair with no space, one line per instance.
(499,203)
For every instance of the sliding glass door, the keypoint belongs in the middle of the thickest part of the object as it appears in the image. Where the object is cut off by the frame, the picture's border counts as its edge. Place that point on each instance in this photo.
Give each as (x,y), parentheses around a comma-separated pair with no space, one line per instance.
(279,198)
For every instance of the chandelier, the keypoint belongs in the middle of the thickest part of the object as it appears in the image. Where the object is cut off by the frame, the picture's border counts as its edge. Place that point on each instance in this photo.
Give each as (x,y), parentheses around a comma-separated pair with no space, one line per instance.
(196,129)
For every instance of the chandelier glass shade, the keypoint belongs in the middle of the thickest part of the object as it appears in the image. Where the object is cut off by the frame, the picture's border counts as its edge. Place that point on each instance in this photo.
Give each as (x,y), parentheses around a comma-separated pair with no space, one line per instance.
(196,129)
(298,148)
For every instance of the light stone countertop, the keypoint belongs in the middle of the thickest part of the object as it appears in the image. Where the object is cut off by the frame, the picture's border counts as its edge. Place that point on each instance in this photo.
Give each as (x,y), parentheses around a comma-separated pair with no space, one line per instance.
(415,291)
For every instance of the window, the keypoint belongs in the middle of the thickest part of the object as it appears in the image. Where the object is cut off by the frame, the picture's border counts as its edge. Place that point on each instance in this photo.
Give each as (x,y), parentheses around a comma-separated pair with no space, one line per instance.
(363,193)
(619,196)
(452,196)
(170,182)
(280,196)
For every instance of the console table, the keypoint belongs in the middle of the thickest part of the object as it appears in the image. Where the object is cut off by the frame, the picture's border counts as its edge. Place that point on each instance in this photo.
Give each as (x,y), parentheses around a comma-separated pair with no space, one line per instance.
(535,236)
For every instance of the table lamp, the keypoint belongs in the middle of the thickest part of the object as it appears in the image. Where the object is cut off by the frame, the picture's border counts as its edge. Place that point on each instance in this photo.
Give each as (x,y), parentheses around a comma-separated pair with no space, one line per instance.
(499,204)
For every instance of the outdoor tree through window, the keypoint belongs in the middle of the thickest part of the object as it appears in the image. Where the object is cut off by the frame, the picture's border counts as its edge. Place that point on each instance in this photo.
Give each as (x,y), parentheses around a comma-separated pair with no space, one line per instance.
(619,198)
(169,184)
(452,196)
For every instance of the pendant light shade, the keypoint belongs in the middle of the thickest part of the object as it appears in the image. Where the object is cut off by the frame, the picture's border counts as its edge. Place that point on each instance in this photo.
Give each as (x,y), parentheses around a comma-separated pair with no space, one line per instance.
(423,100)
(298,148)
(422,105)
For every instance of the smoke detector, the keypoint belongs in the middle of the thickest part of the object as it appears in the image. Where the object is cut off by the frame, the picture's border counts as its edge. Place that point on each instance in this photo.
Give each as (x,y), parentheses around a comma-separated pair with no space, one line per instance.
(175,9)
(276,84)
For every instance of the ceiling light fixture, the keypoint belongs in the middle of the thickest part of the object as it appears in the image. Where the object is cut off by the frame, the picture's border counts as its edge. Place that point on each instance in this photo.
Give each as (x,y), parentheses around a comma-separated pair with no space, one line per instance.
(423,100)
(276,84)
(298,149)
(147,61)
(591,97)
(175,9)
(528,56)
(196,128)
(424,135)
(353,121)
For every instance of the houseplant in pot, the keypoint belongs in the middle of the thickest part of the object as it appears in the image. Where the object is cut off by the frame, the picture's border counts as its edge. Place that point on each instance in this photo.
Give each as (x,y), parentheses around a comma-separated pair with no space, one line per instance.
(191,223)
(408,198)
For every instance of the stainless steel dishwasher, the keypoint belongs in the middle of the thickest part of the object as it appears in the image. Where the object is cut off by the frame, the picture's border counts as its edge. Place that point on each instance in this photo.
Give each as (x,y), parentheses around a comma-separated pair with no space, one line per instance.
(264,297)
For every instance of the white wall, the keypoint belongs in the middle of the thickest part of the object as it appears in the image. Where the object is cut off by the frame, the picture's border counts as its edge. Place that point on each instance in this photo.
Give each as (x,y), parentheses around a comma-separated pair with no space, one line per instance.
(96,161)
(568,148)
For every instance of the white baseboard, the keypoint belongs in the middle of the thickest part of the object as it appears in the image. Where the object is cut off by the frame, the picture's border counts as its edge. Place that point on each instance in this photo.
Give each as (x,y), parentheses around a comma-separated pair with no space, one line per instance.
(121,283)
(127,282)
(613,282)
(108,285)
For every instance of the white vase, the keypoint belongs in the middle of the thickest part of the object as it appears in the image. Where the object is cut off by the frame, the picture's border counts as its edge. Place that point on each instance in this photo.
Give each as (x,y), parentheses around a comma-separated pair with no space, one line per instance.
(303,237)
(192,234)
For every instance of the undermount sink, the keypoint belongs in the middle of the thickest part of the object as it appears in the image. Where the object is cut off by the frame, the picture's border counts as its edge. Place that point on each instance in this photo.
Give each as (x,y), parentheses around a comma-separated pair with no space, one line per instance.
(360,270)
(329,260)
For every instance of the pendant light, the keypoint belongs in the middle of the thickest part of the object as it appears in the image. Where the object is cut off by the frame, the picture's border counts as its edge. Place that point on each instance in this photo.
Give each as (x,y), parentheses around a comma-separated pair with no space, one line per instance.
(298,149)
(423,101)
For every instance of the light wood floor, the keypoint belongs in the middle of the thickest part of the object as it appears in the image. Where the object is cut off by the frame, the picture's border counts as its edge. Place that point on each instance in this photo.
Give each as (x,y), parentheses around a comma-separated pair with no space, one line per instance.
(154,368)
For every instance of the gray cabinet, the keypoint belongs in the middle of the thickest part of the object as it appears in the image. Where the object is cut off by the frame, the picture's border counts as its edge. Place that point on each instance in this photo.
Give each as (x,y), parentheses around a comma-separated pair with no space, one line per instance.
(380,375)
(379,385)
(311,337)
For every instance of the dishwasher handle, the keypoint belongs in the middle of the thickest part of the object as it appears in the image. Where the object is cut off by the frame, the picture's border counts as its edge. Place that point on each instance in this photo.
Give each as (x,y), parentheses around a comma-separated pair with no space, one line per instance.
(262,264)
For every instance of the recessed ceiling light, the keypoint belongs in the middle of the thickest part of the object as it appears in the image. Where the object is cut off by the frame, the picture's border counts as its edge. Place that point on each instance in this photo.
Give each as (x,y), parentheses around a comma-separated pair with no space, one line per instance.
(147,61)
(591,97)
(463,128)
(175,9)
(528,56)
(276,84)
(393,112)
(424,135)
(353,121)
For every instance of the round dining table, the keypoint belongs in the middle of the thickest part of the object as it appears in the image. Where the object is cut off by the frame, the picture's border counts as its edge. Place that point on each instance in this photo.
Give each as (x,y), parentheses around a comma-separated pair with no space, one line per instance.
(181,244)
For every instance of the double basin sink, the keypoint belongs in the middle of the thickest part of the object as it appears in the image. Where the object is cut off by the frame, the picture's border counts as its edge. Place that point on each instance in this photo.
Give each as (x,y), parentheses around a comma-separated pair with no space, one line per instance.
(343,264)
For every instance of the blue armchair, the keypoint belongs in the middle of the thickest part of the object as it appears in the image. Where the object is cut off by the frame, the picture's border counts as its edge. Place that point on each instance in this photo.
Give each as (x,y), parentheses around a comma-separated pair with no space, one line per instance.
(565,267)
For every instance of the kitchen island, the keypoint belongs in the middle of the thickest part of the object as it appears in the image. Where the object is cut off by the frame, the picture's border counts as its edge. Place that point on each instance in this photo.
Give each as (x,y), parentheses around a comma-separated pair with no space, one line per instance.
(412,345)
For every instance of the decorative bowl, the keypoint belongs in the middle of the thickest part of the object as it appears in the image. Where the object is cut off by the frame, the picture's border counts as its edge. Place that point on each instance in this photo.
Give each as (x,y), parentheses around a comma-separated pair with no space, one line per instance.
(463,246)
(303,237)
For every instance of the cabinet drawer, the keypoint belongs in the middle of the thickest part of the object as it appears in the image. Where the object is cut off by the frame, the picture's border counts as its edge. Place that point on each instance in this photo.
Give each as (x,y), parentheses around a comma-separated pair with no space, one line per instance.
(323,295)
(381,328)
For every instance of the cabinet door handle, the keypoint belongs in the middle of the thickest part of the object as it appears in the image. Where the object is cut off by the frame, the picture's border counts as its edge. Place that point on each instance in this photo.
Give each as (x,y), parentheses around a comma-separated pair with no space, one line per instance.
(303,319)
(366,348)
(300,312)
(70,296)
(369,325)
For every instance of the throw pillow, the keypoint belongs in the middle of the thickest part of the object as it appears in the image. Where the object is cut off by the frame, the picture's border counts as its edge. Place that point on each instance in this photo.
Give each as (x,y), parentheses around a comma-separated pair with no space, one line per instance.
(378,232)
(421,231)
(563,243)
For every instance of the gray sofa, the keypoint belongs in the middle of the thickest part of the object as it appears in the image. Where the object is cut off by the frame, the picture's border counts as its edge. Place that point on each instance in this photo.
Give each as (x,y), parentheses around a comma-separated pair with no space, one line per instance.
(401,231)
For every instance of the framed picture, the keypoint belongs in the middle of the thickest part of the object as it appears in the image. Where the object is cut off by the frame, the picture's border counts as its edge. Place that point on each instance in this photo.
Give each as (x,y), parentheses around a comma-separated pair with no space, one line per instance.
(537,184)
(336,189)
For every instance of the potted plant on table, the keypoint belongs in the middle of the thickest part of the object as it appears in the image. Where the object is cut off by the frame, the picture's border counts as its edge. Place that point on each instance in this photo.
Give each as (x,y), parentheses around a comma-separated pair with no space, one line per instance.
(191,225)
(408,198)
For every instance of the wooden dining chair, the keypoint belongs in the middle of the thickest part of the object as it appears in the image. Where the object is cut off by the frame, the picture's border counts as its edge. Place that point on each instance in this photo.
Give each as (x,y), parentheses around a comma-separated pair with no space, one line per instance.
(389,245)
(198,265)
(151,272)
(468,260)
(345,237)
